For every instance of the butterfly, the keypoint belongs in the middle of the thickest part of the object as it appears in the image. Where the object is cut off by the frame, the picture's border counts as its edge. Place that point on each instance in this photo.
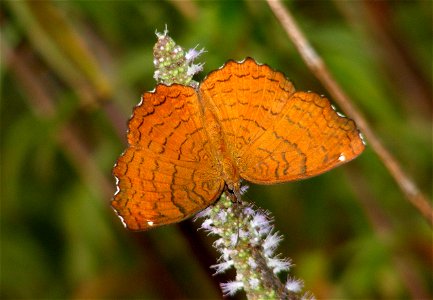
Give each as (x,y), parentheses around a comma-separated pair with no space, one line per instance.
(245,121)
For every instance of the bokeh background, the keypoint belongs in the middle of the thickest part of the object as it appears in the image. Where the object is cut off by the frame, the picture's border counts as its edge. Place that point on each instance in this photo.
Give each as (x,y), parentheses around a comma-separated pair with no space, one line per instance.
(71,72)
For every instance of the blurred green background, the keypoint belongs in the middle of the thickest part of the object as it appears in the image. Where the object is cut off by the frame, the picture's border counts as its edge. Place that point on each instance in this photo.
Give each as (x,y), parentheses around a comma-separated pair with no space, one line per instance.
(71,72)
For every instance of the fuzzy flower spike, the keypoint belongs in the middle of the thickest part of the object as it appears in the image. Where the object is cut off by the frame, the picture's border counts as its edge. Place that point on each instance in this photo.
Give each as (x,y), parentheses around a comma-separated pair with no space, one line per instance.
(173,64)
(247,241)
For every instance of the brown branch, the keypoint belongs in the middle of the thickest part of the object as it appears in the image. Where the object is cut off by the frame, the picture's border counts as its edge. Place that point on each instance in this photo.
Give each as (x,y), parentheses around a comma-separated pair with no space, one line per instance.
(319,69)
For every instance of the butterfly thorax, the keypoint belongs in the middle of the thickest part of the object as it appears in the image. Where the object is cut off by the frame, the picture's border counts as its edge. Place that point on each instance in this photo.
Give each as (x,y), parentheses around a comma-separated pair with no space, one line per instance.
(223,158)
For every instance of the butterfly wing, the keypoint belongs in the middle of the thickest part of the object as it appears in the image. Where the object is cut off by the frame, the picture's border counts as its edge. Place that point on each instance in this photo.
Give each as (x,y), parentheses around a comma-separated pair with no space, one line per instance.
(167,173)
(274,133)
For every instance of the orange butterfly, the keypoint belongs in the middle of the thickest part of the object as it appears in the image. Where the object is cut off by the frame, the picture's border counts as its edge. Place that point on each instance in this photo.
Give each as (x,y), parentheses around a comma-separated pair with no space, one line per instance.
(244,121)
